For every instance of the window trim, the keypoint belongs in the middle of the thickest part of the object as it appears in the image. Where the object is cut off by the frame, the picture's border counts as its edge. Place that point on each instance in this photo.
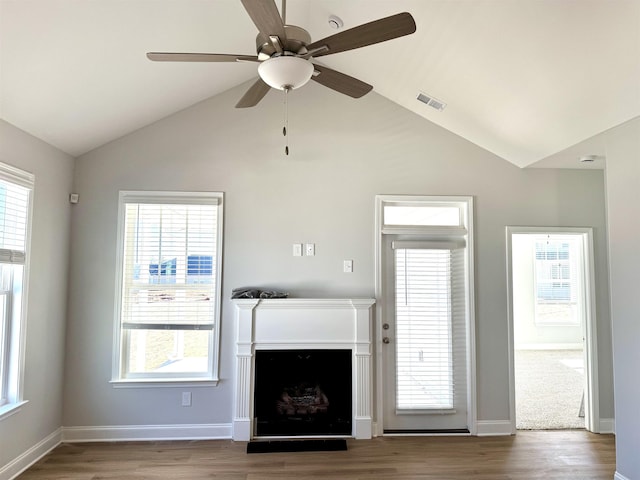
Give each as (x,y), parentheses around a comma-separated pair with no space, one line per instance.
(17,345)
(163,197)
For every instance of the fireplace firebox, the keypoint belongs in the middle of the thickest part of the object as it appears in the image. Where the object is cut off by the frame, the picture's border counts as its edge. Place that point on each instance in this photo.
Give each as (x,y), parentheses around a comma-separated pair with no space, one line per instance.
(303,392)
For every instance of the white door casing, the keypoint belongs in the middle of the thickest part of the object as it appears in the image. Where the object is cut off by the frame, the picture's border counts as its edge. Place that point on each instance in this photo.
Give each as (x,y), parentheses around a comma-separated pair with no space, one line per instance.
(592,409)
(385,235)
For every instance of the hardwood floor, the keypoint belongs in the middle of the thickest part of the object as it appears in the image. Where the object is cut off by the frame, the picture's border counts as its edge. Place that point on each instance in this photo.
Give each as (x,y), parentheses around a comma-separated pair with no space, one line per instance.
(528,455)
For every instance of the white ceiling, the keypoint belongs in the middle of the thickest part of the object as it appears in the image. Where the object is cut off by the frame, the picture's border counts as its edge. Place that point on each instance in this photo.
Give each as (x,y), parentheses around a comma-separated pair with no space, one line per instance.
(524,79)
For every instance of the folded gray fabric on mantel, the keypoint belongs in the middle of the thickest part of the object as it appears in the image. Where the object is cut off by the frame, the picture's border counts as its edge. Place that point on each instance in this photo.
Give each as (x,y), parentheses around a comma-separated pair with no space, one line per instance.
(250,292)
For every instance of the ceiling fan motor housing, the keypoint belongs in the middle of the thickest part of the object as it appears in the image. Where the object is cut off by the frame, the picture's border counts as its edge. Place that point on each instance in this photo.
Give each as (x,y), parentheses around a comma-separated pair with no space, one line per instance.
(295,43)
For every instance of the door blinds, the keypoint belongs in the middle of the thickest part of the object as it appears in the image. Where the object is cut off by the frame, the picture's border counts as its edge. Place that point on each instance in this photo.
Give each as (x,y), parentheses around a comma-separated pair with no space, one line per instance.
(429,286)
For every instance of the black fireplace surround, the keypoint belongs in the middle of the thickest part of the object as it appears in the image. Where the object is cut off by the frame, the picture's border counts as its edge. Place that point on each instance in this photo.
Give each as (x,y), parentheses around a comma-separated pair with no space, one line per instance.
(303,392)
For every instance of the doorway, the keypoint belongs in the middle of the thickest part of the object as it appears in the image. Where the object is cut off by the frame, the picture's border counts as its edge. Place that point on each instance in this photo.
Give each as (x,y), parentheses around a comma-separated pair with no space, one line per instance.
(552,330)
(425,336)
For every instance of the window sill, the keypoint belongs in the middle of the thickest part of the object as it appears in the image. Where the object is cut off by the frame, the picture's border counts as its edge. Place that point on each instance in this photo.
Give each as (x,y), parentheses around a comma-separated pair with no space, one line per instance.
(11,409)
(164,382)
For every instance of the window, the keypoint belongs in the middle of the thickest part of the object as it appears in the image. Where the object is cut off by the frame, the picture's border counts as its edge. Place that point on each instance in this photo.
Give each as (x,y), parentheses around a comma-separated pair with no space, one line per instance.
(15,201)
(422,215)
(168,316)
(556,285)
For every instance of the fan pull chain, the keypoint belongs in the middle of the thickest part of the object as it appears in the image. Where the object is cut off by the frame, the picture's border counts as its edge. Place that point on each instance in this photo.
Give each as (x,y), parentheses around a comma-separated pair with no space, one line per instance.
(286,120)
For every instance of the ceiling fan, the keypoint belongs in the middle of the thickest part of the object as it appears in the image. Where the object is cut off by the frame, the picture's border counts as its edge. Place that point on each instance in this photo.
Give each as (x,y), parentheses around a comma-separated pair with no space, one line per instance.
(285,53)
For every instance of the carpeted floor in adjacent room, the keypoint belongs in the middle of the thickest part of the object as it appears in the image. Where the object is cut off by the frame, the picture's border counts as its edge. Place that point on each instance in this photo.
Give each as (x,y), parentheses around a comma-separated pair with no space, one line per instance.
(549,389)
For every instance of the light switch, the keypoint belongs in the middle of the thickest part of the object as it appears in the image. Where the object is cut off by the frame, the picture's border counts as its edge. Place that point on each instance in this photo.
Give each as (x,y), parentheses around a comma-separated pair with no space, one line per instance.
(310,249)
(297,249)
(348,266)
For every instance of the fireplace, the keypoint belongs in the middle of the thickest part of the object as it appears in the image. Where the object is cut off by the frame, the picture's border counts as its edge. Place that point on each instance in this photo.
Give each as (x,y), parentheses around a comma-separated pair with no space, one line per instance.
(303,368)
(303,392)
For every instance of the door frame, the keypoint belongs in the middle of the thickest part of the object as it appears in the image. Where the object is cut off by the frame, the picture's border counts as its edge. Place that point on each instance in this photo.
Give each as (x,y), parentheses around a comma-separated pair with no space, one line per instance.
(380,200)
(590,344)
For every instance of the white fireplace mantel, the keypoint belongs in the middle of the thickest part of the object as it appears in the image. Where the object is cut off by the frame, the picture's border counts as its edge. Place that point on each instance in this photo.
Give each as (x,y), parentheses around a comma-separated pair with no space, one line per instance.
(298,323)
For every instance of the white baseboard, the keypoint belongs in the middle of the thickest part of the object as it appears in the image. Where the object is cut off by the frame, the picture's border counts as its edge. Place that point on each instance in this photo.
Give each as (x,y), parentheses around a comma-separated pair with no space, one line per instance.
(607,425)
(486,428)
(503,427)
(146,433)
(619,476)
(31,456)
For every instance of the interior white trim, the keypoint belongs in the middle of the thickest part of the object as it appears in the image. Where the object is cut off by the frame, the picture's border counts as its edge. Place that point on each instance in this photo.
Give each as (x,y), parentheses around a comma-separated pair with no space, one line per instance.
(619,476)
(607,425)
(171,197)
(488,428)
(11,409)
(31,456)
(592,402)
(146,432)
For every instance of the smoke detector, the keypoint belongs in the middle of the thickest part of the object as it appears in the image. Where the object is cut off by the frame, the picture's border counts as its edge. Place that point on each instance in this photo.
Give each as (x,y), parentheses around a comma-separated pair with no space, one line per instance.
(588,158)
(335,22)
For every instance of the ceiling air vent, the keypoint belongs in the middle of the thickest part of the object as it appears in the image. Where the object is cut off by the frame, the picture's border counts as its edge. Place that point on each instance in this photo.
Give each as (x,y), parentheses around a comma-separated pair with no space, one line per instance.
(431,102)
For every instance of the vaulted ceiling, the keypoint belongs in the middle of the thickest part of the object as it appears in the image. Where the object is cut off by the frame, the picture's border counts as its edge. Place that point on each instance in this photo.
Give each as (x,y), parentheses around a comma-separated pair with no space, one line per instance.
(524,79)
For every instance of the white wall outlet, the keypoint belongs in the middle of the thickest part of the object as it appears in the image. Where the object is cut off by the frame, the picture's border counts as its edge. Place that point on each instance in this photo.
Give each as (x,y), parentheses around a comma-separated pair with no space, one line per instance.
(348,266)
(297,249)
(310,249)
(186,399)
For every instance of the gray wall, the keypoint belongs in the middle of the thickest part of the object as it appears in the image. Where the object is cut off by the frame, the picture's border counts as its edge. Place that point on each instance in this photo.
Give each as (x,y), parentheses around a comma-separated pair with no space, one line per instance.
(47,294)
(623,208)
(343,153)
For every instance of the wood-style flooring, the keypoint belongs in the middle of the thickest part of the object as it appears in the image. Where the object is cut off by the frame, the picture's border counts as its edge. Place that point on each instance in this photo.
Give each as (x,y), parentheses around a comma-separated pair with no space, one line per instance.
(571,454)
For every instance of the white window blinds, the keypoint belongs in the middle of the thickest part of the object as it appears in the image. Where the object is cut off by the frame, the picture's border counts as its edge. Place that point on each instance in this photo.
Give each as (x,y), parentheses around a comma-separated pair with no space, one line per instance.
(556,281)
(169,274)
(429,279)
(14,208)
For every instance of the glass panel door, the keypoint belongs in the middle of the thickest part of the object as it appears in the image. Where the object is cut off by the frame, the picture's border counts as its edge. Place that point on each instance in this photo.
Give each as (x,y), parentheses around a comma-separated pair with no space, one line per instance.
(425,357)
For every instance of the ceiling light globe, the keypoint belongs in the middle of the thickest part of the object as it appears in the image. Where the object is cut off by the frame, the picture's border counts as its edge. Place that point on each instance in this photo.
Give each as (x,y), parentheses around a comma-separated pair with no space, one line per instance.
(285,72)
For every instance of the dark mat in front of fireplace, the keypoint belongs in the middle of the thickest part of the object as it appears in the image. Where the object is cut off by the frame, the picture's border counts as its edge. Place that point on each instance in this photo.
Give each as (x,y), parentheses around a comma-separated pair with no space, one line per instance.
(273,446)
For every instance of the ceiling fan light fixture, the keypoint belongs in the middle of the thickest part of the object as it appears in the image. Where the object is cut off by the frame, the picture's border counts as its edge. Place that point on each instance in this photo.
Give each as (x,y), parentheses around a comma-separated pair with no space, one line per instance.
(285,72)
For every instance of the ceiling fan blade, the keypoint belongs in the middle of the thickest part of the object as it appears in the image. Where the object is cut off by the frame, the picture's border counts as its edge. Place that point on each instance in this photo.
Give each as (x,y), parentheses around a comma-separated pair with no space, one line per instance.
(340,82)
(370,33)
(256,92)
(266,17)
(199,57)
